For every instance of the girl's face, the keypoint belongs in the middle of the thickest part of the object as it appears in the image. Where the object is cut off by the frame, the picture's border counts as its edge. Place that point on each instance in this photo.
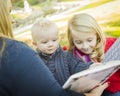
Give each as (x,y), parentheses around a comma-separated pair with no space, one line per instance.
(85,42)
(48,41)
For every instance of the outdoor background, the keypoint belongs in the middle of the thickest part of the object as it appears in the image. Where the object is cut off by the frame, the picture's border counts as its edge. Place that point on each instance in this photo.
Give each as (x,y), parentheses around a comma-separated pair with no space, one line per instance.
(26,12)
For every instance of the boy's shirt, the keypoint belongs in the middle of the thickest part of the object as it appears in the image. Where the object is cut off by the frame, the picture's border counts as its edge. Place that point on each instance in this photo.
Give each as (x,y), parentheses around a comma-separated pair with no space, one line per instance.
(62,64)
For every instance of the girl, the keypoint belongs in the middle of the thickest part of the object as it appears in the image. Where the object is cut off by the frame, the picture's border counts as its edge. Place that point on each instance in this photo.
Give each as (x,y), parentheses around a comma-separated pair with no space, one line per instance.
(86,38)
(87,41)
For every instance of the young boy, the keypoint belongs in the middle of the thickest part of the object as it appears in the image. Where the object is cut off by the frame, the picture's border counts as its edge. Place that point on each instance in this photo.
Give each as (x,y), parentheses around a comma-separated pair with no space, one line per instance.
(61,63)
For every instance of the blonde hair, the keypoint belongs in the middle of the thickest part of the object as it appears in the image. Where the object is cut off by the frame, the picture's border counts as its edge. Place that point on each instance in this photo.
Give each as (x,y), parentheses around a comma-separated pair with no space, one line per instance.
(5,23)
(42,25)
(5,19)
(86,23)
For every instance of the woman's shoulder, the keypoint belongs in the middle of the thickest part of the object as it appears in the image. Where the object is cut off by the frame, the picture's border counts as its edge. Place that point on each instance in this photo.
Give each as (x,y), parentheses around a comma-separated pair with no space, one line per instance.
(15,45)
(16,49)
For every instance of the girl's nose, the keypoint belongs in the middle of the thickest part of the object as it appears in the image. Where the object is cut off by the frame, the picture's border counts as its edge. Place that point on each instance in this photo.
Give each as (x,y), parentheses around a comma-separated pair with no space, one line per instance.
(85,45)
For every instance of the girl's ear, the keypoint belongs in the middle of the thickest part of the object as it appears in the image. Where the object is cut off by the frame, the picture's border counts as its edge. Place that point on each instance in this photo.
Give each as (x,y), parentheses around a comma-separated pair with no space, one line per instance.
(34,43)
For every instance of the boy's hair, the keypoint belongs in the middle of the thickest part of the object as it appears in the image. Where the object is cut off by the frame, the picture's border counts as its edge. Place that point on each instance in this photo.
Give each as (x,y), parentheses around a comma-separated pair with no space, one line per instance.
(43,25)
(86,23)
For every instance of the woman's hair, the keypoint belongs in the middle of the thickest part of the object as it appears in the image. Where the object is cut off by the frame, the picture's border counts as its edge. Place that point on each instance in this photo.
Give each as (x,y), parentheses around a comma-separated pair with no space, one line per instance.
(86,23)
(5,22)
(43,25)
(5,19)
(12,1)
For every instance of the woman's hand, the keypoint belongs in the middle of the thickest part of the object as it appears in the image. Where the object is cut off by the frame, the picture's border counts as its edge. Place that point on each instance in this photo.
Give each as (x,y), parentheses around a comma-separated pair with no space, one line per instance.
(98,90)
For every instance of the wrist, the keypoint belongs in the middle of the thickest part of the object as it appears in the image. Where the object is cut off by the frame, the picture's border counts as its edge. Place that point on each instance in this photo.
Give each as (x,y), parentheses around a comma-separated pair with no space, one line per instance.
(88,94)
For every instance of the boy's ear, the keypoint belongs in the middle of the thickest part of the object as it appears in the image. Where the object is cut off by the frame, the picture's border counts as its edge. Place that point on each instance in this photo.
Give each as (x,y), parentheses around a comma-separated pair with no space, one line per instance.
(34,43)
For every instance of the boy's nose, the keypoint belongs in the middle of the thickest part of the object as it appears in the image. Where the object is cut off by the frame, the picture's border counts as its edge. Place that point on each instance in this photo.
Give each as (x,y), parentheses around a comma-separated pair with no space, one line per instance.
(50,44)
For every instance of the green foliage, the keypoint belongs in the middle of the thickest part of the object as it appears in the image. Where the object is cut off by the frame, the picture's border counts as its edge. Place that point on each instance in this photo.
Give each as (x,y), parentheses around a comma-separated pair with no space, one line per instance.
(18,3)
(115,33)
(47,8)
(112,23)
(33,2)
(63,39)
(14,16)
(65,0)
(92,5)
(112,31)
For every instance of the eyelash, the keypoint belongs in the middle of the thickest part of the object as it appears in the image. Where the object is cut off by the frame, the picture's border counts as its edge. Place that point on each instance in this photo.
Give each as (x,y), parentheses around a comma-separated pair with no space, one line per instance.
(78,42)
(55,40)
(44,42)
(89,40)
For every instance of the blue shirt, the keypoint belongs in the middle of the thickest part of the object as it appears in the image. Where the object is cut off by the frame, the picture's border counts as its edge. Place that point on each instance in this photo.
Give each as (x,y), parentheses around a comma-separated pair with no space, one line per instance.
(22,73)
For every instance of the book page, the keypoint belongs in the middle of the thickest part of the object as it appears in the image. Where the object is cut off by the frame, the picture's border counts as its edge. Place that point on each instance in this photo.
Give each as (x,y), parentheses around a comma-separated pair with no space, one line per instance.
(87,80)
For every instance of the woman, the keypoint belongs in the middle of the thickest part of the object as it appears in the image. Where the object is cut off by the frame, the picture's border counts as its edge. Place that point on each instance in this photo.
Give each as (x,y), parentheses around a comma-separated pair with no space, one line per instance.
(22,73)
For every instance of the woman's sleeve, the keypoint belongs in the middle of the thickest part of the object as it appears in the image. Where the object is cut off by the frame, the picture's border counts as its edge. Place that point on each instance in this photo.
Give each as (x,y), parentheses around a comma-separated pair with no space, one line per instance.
(30,76)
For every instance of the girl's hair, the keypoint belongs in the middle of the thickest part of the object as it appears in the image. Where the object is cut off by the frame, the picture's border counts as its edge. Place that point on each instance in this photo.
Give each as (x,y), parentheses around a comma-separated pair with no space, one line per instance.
(5,22)
(86,23)
(43,25)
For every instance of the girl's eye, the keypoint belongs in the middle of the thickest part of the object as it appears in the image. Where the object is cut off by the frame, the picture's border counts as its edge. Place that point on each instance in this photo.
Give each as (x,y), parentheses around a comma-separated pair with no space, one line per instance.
(79,42)
(89,40)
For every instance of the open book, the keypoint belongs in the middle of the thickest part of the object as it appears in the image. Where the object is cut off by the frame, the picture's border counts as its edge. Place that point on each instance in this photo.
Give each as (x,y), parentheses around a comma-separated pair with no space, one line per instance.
(88,79)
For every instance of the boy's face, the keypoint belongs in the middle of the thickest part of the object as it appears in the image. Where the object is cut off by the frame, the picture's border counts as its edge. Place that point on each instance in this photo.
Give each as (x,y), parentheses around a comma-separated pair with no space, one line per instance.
(85,42)
(47,42)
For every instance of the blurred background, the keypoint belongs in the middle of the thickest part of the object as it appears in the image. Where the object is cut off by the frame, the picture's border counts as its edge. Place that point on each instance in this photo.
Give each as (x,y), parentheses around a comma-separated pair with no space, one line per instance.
(26,12)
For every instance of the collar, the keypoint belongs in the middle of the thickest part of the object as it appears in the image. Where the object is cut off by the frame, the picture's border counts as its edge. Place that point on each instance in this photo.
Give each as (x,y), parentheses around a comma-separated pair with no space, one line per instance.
(49,55)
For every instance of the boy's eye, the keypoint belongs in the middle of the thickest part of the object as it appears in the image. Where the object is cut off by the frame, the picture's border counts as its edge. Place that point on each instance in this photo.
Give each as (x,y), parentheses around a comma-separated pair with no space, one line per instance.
(44,42)
(55,40)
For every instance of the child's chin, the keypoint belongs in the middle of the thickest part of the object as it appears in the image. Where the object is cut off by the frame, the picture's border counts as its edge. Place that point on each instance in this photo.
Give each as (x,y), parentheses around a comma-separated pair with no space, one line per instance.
(87,52)
(49,53)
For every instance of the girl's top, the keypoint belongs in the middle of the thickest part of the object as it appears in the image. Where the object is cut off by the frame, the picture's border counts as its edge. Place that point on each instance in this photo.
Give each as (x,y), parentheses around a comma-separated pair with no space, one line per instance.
(83,57)
(63,64)
(22,73)
(109,43)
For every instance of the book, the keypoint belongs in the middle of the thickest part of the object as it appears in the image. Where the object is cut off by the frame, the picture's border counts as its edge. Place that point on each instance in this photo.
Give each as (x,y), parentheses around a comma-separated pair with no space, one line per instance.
(113,53)
(88,79)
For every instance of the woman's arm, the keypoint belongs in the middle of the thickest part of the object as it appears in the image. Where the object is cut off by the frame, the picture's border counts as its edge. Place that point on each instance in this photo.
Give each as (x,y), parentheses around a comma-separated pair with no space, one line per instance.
(24,74)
